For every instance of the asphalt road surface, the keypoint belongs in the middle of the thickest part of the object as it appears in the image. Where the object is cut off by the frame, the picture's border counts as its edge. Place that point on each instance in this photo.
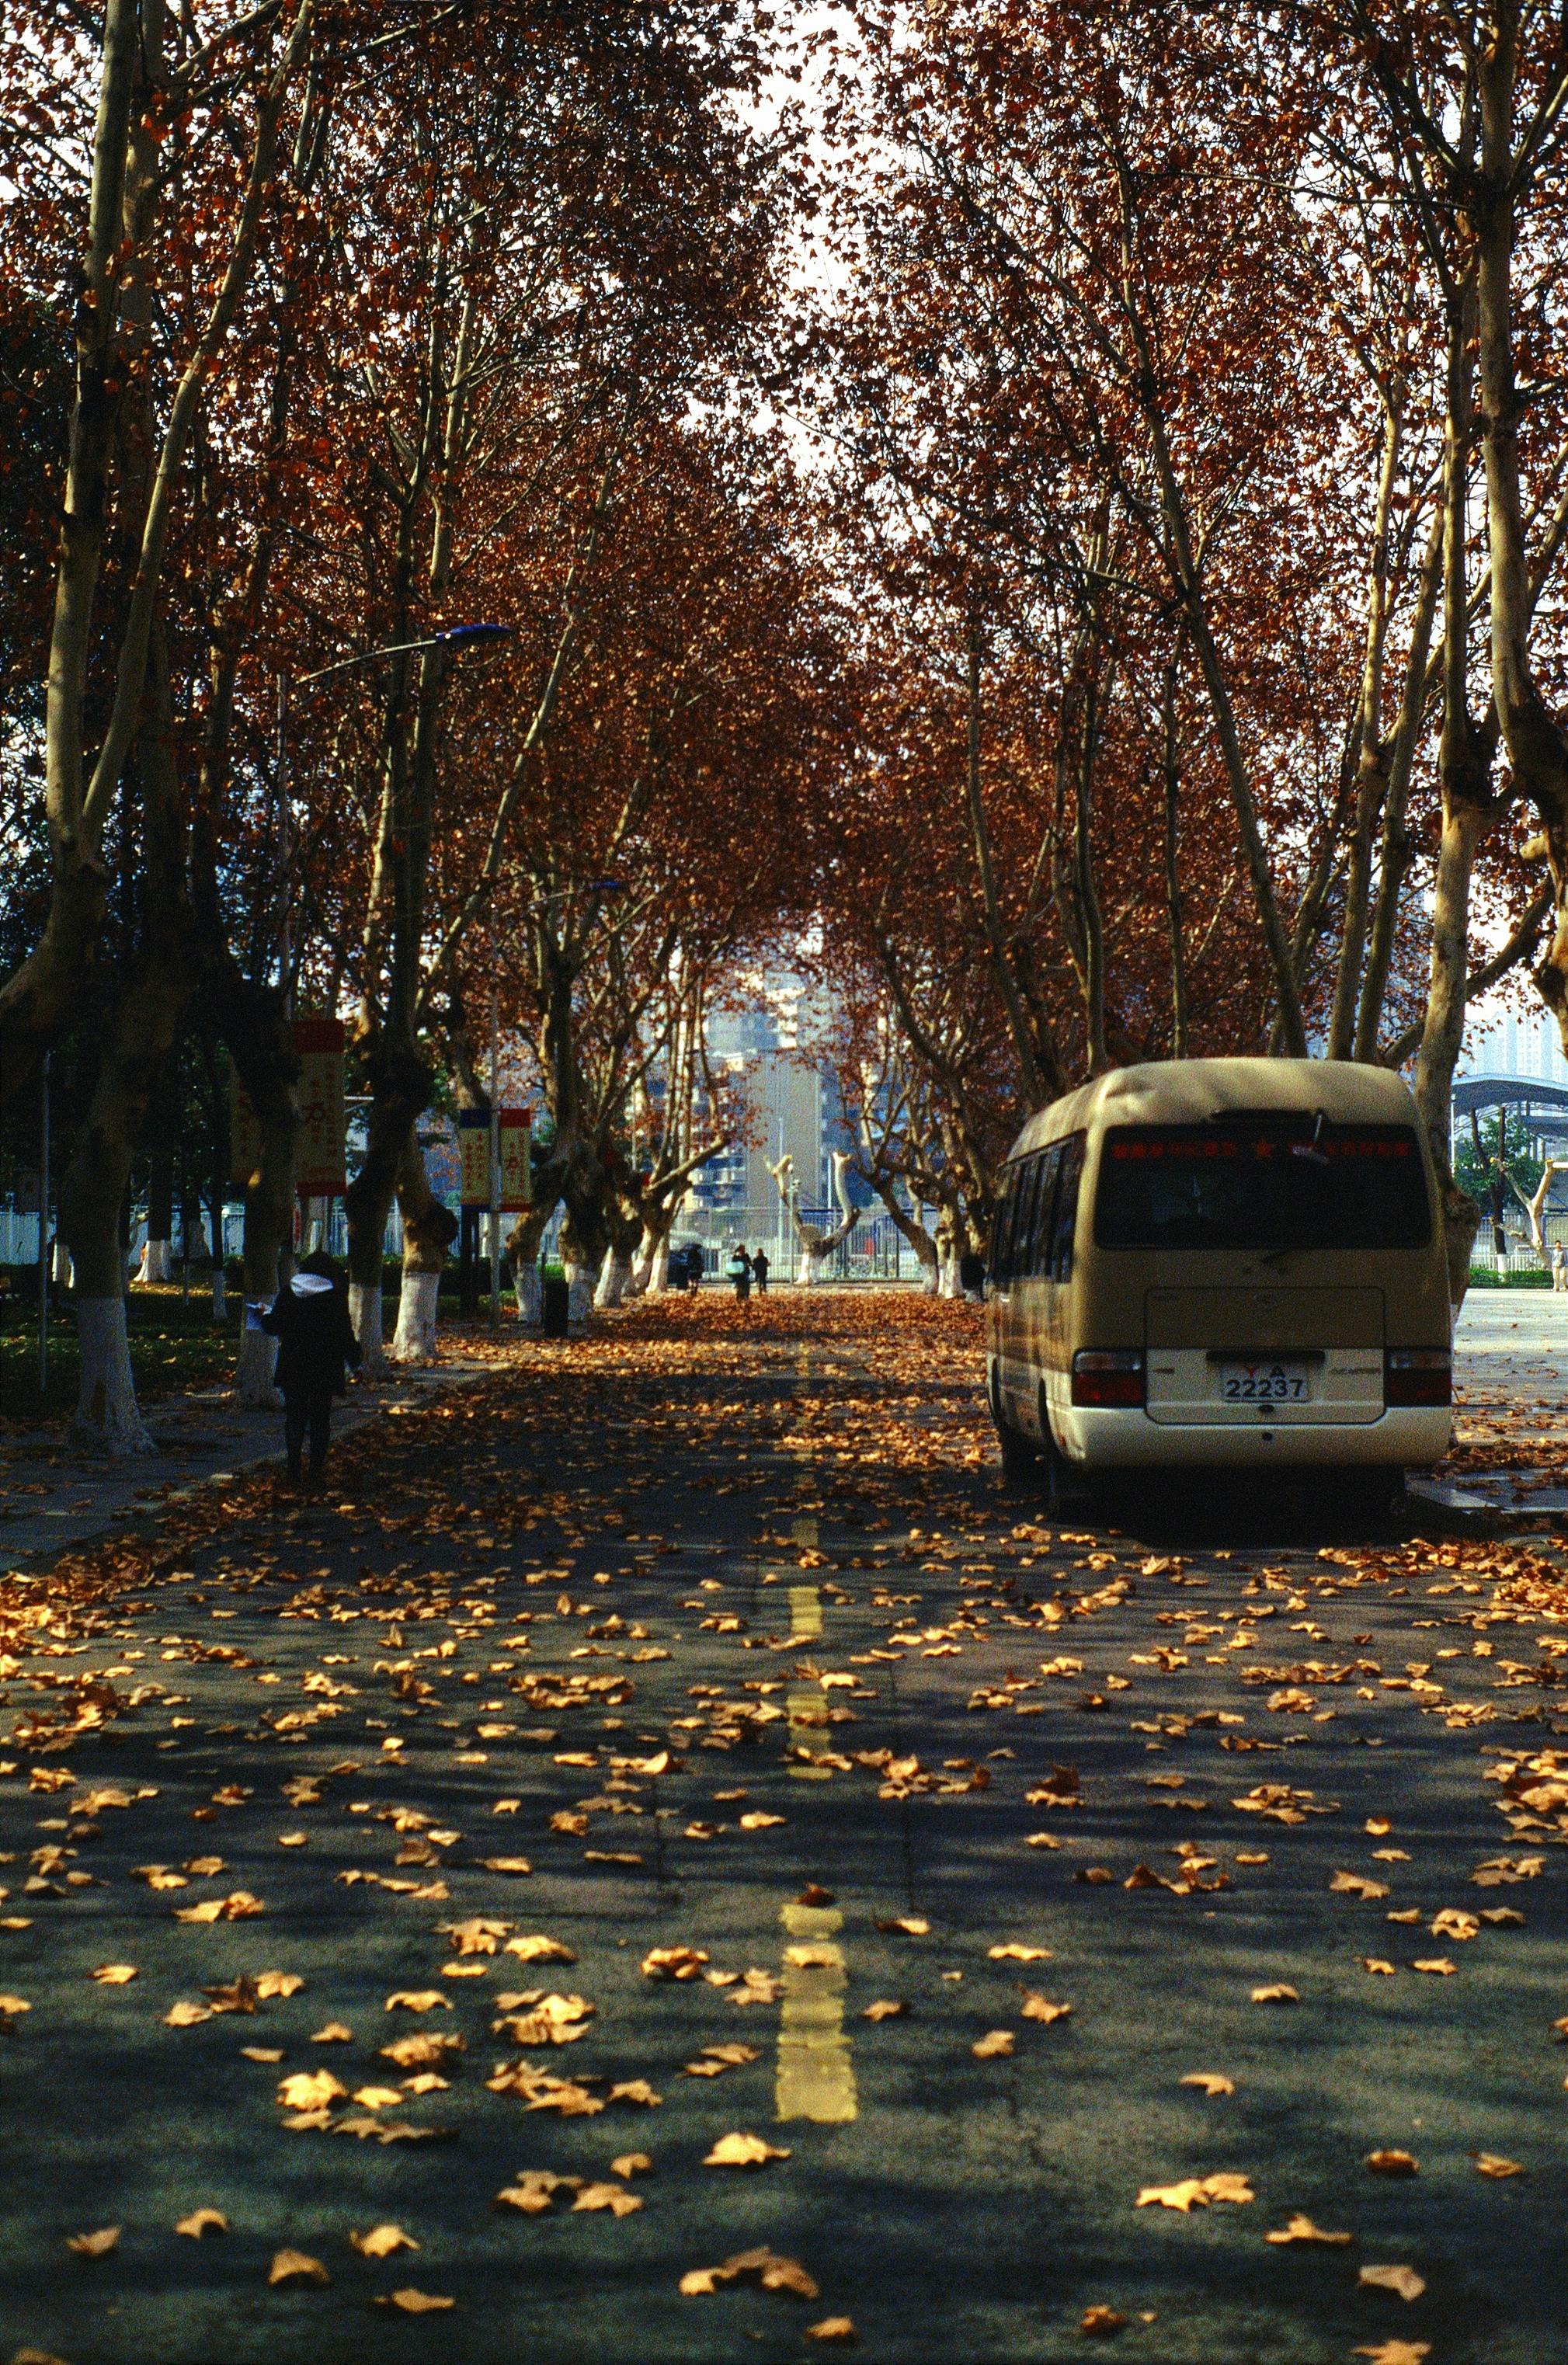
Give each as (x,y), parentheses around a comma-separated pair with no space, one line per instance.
(736,1637)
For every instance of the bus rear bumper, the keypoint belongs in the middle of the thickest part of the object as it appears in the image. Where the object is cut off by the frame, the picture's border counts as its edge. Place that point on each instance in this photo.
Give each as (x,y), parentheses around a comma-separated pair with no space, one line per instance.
(1406,1437)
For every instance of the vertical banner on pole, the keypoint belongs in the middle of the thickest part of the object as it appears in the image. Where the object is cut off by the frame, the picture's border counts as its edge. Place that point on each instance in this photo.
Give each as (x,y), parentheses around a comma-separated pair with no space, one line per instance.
(322,1159)
(474,1156)
(321,1152)
(516,1140)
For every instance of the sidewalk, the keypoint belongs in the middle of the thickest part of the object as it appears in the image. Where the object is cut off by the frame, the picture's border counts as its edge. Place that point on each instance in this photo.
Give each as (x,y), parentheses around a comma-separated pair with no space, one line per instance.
(55,1499)
(1511,1386)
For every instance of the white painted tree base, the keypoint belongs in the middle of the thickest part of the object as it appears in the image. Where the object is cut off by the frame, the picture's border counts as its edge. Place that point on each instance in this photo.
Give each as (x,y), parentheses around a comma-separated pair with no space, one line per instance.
(413,1341)
(580,1300)
(614,1275)
(525,1281)
(253,1372)
(810,1271)
(655,1278)
(947,1278)
(364,1317)
(107,1418)
(157,1263)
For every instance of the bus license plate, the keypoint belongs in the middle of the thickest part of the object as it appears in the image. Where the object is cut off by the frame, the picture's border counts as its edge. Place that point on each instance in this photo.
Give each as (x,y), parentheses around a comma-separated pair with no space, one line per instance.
(1278,1380)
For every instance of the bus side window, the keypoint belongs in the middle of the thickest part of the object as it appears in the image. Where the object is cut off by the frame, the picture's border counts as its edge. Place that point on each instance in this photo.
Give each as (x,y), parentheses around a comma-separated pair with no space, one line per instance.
(1023,1230)
(1002,1229)
(1065,1223)
(1045,1210)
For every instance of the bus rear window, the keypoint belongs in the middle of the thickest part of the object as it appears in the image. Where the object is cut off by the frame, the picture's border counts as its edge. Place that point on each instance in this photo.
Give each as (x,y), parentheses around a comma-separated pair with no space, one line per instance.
(1264,1182)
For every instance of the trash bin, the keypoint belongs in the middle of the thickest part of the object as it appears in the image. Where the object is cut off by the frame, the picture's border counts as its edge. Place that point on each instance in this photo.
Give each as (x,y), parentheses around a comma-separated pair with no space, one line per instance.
(556,1300)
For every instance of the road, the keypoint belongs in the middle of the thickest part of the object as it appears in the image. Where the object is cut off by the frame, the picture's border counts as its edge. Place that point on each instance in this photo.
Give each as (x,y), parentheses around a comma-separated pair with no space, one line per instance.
(730,1631)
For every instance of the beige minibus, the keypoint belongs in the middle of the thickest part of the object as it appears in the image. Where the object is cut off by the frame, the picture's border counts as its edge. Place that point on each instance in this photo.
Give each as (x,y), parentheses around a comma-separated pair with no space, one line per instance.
(1233,1263)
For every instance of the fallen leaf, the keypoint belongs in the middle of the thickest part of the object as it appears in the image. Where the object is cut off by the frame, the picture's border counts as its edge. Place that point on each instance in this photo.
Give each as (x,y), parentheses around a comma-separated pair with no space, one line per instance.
(613,2197)
(631,2163)
(832,2327)
(636,2089)
(203,2221)
(673,1963)
(1014,1953)
(1376,1964)
(336,2033)
(539,1949)
(518,1865)
(418,2000)
(1187,2195)
(1403,2280)
(535,2189)
(187,2015)
(381,2241)
(114,1974)
(1213,2081)
(94,2246)
(1038,2007)
(1393,2163)
(908,1925)
(1100,2321)
(1302,2229)
(1279,1993)
(409,2302)
(1356,1884)
(296,2267)
(306,2089)
(1196,2192)
(261,2052)
(772,2272)
(743,2151)
(887,2008)
(994,2046)
(1438,1965)
(1491,2163)
(1397,2353)
(757,1822)
(11,2005)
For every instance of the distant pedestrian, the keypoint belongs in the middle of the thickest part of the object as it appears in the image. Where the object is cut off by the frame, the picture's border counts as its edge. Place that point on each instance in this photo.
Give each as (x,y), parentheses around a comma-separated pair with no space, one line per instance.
(738,1271)
(309,1320)
(761,1268)
(1559,1266)
(695,1267)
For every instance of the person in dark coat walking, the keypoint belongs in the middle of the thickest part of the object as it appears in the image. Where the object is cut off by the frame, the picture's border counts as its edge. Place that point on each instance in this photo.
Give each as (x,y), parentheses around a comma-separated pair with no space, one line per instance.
(309,1320)
(761,1268)
(738,1271)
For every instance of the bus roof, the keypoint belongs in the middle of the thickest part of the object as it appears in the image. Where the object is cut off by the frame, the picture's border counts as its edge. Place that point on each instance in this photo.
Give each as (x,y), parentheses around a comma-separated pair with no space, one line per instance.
(1191,1092)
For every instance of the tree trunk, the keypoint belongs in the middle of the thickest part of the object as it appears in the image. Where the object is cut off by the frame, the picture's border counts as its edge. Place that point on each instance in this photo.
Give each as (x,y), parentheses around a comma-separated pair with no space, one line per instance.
(400,1085)
(139,1038)
(260,1042)
(523,1253)
(1173,784)
(158,1253)
(1373,767)
(429,1230)
(1536,744)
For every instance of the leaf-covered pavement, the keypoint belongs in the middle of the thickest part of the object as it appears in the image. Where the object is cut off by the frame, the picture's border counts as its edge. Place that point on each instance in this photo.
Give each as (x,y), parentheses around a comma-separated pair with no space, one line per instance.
(671,1859)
